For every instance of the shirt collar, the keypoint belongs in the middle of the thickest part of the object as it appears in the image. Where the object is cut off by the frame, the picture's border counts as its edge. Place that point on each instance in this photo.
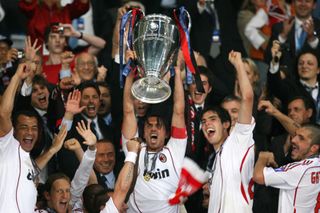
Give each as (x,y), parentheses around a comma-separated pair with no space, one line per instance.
(40,111)
(94,120)
(305,84)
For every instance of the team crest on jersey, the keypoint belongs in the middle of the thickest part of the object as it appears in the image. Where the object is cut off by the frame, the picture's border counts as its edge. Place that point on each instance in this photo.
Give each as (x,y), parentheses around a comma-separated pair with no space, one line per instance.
(280,169)
(162,158)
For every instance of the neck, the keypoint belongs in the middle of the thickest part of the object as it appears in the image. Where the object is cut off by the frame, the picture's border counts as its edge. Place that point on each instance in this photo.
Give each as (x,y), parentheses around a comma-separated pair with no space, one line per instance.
(303,18)
(219,144)
(311,82)
(54,59)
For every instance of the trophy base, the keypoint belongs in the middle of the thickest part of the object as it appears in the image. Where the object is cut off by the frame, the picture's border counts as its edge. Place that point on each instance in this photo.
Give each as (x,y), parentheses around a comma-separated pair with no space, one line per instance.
(151,90)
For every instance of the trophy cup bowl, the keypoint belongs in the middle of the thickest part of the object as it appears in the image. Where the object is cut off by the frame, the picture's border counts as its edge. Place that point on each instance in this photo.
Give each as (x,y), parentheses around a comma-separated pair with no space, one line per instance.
(155,42)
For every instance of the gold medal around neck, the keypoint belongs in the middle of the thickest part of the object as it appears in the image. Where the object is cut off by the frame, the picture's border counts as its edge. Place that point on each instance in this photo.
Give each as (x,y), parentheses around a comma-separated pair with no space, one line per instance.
(147,177)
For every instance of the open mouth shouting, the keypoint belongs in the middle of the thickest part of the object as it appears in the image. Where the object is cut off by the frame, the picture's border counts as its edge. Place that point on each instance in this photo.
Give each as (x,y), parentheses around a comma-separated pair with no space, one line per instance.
(153,137)
(210,132)
(42,99)
(91,109)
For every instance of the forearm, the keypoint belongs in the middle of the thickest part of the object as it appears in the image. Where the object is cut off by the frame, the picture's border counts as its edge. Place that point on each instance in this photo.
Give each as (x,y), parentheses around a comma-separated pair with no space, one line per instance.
(258,176)
(178,106)
(44,158)
(290,125)
(93,40)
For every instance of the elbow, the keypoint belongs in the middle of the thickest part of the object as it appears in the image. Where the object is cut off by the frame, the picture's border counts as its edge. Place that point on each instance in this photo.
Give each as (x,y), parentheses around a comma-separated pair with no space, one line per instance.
(258,178)
(248,96)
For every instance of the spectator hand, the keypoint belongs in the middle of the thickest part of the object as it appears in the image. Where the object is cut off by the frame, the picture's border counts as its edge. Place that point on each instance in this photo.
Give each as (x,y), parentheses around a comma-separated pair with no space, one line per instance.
(12,55)
(30,49)
(69,31)
(267,106)
(59,139)
(23,71)
(66,83)
(102,73)
(73,103)
(308,26)
(66,58)
(87,134)
(287,25)
(276,51)
(72,144)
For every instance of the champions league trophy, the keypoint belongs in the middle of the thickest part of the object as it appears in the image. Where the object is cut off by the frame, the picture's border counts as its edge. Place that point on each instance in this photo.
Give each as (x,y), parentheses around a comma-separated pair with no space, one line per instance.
(155,42)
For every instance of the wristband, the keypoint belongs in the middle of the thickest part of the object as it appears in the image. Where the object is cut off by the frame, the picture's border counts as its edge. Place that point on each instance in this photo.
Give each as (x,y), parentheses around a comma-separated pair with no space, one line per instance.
(64,73)
(81,35)
(131,157)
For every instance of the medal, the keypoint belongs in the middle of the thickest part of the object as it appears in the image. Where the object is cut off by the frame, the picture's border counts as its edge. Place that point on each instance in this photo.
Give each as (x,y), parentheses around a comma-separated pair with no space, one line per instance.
(147,177)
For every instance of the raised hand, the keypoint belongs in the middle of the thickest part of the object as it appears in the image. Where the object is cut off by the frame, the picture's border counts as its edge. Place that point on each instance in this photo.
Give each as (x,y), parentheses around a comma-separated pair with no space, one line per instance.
(133,145)
(66,58)
(23,71)
(12,55)
(308,26)
(287,25)
(235,58)
(30,49)
(69,31)
(268,157)
(73,103)
(86,133)
(267,106)
(102,73)
(276,51)
(72,144)
(58,139)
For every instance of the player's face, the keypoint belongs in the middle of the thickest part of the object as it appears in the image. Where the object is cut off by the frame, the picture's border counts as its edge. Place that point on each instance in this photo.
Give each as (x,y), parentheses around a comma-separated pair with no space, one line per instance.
(59,196)
(56,43)
(86,67)
(26,132)
(40,97)
(308,67)
(298,112)
(233,108)
(301,144)
(105,98)
(197,97)
(213,129)
(91,99)
(105,158)
(154,134)
(304,8)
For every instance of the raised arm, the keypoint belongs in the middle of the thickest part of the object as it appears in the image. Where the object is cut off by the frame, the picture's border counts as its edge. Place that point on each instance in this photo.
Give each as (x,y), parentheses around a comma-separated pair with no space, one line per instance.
(7,102)
(126,175)
(129,125)
(178,101)
(57,143)
(96,43)
(245,112)
(290,125)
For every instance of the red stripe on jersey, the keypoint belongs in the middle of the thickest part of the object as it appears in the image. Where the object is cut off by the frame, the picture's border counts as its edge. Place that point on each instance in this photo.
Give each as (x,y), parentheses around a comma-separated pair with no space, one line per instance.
(317,208)
(58,122)
(296,190)
(179,133)
(241,185)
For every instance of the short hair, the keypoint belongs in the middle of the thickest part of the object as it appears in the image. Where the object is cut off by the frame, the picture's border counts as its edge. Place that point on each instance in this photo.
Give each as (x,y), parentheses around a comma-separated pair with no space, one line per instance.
(208,73)
(94,196)
(160,120)
(222,113)
(104,84)
(89,84)
(311,51)
(315,133)
(47,31)
(52,178)
(107,140)
(40,80)
(230,98)
(27,113)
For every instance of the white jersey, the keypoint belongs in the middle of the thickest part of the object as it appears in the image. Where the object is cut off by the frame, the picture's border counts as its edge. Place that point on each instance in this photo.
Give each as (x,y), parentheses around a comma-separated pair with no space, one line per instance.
(299,185)
(17,190)
(151,192)
(231,188)
(109,207)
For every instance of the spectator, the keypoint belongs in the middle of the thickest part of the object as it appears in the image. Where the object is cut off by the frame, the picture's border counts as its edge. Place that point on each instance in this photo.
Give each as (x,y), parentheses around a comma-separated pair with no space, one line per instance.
(106,103)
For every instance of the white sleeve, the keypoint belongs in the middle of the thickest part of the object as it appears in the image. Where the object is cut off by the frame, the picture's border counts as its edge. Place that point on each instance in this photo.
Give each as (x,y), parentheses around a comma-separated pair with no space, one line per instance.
(2,13)
(282,178)
(313,44)
(178,143)
(110,207)
(252,31)
(124,142)
(243,132)
(81,177)
(274,68)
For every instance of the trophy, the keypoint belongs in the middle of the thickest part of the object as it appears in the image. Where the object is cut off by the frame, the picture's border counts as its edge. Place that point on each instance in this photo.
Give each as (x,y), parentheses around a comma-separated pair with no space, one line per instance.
(155,42)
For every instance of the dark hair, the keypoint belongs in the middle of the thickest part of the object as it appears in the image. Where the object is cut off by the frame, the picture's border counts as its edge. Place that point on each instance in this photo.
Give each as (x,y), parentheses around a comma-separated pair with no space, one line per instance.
(309,50)
(89,84)
(52,178)
(47,31)
(40,80)
(160,120)
(94,196)
(27,113)
(208,73)
(104,84)
(315,133)
(222,113)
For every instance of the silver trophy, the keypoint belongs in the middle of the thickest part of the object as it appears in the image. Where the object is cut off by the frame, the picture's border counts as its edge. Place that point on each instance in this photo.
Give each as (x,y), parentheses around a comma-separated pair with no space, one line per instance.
(155,41)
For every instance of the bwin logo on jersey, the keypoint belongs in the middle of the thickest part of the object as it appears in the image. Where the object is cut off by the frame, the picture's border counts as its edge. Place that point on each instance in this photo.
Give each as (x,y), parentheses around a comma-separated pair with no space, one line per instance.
(158,174)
